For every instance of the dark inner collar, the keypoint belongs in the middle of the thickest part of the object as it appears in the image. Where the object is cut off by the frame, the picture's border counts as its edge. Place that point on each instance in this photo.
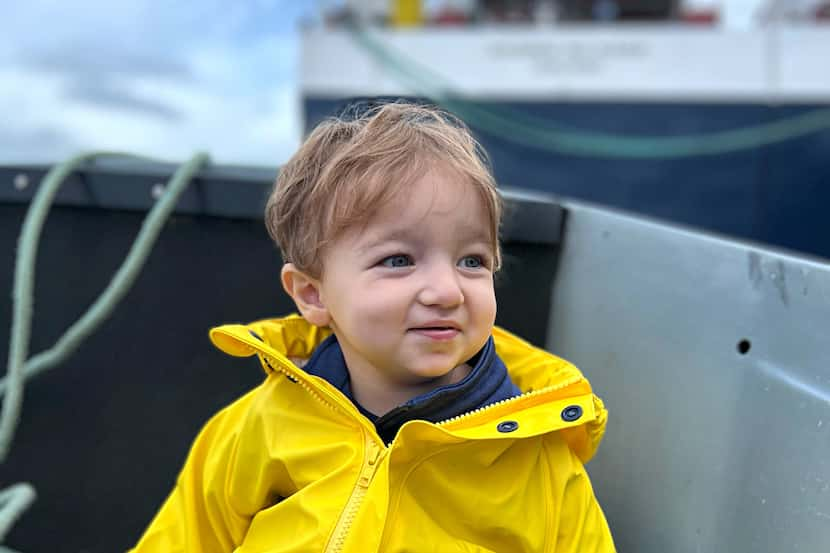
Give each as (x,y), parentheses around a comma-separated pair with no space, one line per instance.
(487,383)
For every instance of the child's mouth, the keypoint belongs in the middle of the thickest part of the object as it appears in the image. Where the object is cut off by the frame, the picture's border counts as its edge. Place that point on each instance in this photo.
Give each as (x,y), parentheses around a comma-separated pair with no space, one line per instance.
(437,332)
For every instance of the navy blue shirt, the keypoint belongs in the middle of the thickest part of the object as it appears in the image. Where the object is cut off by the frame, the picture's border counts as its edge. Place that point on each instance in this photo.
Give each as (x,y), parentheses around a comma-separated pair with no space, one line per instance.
(487,383)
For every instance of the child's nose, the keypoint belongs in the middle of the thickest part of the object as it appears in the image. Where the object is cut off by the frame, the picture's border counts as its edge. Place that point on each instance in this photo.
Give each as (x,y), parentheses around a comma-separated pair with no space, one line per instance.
(441,287)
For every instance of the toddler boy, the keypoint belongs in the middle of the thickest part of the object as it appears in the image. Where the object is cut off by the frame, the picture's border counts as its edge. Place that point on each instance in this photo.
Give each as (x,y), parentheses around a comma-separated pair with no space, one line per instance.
(394,415)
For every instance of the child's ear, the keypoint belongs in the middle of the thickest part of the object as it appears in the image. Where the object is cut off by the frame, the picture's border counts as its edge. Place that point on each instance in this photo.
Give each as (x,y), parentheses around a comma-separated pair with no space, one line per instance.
(305,291)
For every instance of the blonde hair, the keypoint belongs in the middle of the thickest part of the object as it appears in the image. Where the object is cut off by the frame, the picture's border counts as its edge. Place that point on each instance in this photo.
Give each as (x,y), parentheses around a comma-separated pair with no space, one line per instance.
(350,166)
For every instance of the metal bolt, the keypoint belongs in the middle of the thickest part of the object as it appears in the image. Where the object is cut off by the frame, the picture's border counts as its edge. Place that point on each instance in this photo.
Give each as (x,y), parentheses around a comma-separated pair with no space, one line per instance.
(21,181)
(157,190)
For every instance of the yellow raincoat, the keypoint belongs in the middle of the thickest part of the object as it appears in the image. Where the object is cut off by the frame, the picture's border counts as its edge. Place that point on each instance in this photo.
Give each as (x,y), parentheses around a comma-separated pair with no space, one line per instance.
(294,467)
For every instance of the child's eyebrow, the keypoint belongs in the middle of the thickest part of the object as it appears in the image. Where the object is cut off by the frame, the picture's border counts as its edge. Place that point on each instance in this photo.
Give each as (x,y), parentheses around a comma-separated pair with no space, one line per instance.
(465,234)
(379,239)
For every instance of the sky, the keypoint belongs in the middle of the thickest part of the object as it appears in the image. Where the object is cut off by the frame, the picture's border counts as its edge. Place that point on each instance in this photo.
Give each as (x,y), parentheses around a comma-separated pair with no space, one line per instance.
(163,79)
(157,78)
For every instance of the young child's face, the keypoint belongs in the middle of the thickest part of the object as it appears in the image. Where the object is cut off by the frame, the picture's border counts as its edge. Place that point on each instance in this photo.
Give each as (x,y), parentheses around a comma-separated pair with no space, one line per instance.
(410,295)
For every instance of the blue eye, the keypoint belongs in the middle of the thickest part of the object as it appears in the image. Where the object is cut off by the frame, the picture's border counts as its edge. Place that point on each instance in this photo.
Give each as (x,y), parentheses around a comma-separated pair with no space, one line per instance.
(471,262)
(396,261)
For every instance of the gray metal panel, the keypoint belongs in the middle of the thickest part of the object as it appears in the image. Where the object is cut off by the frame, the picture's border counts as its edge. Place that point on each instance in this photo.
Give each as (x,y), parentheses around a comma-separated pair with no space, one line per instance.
(230,191)
(707,449)
(130,184)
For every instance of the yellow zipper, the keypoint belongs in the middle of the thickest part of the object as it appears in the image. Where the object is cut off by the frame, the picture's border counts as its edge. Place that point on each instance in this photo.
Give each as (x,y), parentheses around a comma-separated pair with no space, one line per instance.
(320,395)
(374,452)
(524,397)
(371,459)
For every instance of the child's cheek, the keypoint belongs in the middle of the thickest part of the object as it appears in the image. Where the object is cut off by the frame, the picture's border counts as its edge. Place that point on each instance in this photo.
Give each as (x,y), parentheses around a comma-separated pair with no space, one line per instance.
(382,301)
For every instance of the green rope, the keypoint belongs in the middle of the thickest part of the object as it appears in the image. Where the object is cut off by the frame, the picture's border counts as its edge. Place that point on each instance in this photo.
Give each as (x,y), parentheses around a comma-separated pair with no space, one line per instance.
(535,133)
(16,499)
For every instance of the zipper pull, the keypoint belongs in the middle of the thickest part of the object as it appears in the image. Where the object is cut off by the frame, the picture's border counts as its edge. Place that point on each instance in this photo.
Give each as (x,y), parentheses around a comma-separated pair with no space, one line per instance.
(372,456)
(373,453)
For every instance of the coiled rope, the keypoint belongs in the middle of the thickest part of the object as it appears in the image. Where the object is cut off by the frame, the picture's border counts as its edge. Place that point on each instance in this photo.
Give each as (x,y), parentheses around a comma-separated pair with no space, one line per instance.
(15,499)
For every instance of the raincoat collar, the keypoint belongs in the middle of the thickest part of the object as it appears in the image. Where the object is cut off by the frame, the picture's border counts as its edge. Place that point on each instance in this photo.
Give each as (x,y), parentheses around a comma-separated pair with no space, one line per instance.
(555,395)
(487,383)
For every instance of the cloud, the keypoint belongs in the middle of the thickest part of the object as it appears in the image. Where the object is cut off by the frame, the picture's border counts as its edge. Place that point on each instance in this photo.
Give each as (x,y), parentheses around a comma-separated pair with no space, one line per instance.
(88,59)
(257,125)
(152,78)
(35,144)
(105,94)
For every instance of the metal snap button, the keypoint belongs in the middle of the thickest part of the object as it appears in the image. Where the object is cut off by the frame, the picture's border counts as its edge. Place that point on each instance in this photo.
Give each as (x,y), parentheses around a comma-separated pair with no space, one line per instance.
(571,413)
(507,426)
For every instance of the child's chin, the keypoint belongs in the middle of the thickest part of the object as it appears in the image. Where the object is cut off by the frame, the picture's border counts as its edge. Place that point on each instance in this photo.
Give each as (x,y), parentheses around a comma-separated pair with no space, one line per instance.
(432,372)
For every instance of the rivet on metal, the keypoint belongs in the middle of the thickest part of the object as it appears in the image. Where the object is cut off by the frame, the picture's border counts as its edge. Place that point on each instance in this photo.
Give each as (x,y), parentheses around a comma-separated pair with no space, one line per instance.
(157,190)
(21,181)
